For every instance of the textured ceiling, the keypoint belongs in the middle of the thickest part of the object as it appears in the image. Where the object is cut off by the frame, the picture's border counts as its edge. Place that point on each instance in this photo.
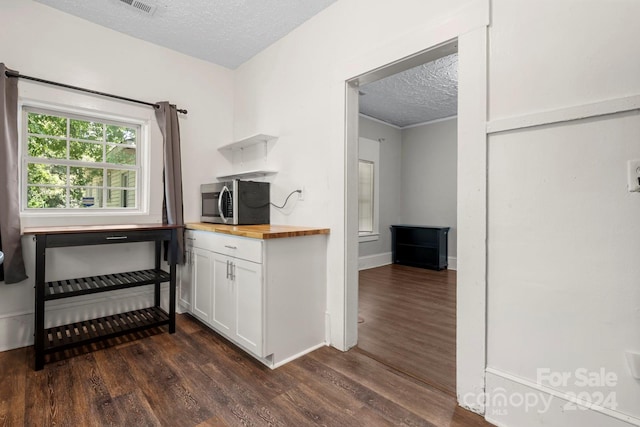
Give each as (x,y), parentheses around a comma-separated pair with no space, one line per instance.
(229,32)
(421,94)
(225,32)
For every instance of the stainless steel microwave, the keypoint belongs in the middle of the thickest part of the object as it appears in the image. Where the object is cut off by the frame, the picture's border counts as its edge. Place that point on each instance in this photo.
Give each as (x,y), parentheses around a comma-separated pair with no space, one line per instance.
(236,202)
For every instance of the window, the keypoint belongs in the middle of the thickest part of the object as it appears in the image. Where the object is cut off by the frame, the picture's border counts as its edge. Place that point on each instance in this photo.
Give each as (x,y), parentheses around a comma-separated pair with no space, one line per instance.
(368,189)
(75,162)
(365,196)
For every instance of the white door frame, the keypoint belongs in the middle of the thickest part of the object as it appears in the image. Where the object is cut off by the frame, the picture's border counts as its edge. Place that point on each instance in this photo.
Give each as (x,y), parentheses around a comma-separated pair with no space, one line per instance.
(469,27)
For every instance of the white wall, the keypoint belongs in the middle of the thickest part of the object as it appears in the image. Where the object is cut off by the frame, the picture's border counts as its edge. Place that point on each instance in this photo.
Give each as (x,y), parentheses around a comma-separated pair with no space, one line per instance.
(390,187)
(430,176)
(552,233)
(296,89)
(563,233)
(564,244)
(418,181)
(542,56)
(44,42)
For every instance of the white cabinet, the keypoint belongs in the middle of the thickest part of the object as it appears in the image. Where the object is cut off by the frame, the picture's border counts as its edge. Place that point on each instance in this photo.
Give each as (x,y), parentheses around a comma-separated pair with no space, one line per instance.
(266,296)
(249,321)
(203,270)
(223,295)
(185,287)
(227,289)
(237,301)
(196,276)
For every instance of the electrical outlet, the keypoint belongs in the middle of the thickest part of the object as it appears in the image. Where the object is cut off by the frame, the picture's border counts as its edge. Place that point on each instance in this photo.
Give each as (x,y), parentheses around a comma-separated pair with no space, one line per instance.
(302,193)
(633,175)
(633,360)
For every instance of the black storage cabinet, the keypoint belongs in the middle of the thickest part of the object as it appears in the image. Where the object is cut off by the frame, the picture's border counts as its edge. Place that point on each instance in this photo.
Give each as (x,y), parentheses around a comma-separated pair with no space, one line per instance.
(420,246)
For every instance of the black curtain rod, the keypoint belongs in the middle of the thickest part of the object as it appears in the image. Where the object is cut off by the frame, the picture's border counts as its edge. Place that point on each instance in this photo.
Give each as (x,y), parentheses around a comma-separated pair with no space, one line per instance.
(81,89)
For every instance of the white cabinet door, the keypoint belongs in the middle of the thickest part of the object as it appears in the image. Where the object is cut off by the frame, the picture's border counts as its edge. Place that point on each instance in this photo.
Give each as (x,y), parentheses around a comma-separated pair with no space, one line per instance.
(249,304)
(203,270)
(186,281)
(227,289)
(223,318)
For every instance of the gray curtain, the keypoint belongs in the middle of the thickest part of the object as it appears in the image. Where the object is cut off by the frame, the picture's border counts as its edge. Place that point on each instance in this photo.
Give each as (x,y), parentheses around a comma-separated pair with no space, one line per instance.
(172,210)
(10,244)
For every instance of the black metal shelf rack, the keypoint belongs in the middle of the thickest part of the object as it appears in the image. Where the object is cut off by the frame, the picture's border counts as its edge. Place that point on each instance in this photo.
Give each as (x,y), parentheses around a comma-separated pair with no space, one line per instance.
(58,338)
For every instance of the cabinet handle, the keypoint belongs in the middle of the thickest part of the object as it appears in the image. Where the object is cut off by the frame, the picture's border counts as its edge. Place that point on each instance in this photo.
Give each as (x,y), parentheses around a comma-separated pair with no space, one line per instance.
(116,237)
(233,271)
(227,269)
(230,247)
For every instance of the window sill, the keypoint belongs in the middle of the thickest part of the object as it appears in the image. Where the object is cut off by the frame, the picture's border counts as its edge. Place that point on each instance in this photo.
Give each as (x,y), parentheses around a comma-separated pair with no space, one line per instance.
(80,213)
(43,219)
(368,237)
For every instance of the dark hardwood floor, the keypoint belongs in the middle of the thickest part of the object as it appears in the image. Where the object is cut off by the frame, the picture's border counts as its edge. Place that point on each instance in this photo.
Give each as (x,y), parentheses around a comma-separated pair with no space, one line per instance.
(409,321)
(194,377)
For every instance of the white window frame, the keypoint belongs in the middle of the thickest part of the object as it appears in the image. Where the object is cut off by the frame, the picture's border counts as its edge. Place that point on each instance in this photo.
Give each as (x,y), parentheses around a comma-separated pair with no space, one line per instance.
(369,151)
(141,168)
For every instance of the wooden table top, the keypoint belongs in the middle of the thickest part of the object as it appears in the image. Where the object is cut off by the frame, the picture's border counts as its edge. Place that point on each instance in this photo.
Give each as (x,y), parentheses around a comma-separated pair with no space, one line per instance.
(267,231)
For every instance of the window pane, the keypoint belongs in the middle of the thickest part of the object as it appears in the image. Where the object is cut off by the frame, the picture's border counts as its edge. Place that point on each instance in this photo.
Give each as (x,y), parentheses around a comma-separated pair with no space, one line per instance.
(85,151)
(365,196)
(47,148)
(121,155)
(121,199)
(46,197)
(44,124)
(85,198)
(121,135)
(121,178)
(86,130)
(65,159)
(38,173)
(86,176)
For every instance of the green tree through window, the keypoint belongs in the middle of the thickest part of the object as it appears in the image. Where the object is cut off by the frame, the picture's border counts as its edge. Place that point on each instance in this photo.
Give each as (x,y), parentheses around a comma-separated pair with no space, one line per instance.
(79,163)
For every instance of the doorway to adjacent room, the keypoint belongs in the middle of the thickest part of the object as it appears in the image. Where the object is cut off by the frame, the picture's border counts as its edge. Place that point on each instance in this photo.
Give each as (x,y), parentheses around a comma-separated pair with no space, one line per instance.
(407,174)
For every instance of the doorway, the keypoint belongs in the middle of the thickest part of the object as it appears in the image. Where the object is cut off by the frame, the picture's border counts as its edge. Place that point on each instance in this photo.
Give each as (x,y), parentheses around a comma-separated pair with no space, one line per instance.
(408,143)
(470,26)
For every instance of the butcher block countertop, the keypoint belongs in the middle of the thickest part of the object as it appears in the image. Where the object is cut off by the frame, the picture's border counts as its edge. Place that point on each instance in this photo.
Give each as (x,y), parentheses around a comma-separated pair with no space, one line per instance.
(268,231)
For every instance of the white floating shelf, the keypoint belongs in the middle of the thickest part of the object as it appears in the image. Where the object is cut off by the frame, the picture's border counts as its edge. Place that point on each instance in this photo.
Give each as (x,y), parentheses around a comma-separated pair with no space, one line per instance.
(247,142)
(247,174)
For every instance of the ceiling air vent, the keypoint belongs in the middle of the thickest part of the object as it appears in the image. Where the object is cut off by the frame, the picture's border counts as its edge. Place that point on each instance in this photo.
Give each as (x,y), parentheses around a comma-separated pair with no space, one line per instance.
(141,6)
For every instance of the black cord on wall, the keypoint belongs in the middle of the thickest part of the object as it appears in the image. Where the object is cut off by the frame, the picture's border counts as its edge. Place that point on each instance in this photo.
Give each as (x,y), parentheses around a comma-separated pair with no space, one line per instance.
(287,199)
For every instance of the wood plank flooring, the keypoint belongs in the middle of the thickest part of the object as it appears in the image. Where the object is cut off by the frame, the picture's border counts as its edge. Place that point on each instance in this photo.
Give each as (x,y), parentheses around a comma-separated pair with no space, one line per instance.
(196,378)
(410,321)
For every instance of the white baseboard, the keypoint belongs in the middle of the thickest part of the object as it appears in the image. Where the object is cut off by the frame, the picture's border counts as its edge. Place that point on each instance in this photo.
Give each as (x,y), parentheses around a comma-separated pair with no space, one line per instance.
(183,307)
(17,328)
(373,261)
(295,356)
(378,260)
(514,401)
(17,331)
